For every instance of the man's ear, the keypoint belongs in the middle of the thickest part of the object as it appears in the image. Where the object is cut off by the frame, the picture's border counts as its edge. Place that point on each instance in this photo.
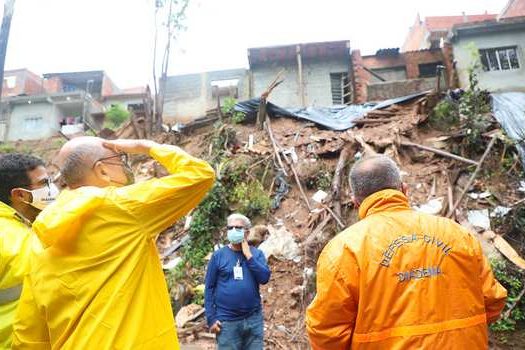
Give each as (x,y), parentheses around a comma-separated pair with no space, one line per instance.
(20,195)
(404,189)
(101,172)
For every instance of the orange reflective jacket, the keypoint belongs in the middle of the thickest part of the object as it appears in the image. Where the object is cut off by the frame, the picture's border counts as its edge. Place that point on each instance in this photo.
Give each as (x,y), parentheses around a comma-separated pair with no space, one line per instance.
(98,284)
(399,279)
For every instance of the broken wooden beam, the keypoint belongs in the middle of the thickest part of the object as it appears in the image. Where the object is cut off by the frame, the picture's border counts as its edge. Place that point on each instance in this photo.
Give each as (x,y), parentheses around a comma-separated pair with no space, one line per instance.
(438,151)
(337,180)
(261,115)
(472,178)
(276,149)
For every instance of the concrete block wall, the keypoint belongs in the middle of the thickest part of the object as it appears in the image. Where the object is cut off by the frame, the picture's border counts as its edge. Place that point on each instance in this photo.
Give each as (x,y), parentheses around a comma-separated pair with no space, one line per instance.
(316,81)
(286,94)
(190,96)
(316,77)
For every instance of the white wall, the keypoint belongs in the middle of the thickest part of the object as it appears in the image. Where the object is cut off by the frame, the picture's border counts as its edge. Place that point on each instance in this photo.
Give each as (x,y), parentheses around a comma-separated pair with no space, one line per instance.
(316,81)
(507,80)
(44,123)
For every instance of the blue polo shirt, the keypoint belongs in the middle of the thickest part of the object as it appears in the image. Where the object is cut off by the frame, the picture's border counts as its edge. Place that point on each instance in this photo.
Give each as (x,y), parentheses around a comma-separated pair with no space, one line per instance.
(230,299)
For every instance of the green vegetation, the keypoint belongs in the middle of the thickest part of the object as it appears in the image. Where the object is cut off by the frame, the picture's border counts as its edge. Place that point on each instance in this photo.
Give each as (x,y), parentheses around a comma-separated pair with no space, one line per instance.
(228,108)
(513,282)
(231,192)
(116,116)
(444,114)
(7,148)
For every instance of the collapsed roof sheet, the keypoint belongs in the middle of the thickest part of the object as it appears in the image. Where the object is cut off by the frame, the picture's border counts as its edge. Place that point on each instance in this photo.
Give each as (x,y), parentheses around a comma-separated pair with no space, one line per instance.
(509,111)
(334,118)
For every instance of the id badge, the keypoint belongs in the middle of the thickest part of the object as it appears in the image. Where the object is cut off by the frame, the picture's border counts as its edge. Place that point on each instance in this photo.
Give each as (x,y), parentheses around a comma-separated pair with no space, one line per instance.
(237,273)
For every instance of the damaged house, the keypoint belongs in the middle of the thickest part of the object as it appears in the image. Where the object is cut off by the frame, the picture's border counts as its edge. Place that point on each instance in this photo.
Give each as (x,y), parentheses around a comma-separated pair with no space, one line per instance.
(314,74)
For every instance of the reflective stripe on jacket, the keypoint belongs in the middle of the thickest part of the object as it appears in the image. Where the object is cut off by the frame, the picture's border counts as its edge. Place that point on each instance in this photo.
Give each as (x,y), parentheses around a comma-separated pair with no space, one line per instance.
(99,283)
(399,279)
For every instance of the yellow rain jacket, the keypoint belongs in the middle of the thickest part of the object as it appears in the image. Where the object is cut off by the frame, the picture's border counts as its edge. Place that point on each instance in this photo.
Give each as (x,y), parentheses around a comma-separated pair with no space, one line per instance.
(98,284)
(399,279)
(15,250)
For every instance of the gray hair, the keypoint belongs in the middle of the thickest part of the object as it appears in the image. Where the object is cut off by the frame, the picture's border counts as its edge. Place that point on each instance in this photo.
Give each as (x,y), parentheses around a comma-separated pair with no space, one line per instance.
(373,174)
(79,163)
(236,216)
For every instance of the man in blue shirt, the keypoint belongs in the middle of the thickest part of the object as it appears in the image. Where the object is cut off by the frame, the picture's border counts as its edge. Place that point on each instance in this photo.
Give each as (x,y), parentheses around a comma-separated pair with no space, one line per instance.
(232,299)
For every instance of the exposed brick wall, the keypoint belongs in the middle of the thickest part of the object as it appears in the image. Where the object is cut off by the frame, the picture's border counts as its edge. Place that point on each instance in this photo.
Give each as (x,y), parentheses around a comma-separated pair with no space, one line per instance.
(409,60)
(53,85)
(450,71)
(393,89)
(26,83)
(361,78)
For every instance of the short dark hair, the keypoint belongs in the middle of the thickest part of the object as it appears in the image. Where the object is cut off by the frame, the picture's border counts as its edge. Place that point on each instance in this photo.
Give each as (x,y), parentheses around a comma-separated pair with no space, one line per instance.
(13,172)
(373,174)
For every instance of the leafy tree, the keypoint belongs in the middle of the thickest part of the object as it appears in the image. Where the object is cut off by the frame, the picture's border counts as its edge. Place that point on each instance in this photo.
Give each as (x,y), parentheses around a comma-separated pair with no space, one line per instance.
(115,116)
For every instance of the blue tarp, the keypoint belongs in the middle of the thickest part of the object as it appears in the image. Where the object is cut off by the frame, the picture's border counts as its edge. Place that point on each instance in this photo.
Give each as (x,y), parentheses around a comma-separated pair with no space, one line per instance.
(509,111)
(335,118)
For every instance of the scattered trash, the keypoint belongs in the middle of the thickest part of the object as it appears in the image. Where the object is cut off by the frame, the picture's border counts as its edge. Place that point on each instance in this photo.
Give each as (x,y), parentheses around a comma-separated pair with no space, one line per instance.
(280,244)
(500,211)
(481,195)
(291,152)
(433,206)
(170,265)
(522,186)
(282,328)
(319,196)
(250,141)
(479,218)
(281,190)
(188,313)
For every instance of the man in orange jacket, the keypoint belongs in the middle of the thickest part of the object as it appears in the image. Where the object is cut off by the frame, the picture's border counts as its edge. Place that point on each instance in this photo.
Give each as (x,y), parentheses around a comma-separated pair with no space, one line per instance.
(399,279)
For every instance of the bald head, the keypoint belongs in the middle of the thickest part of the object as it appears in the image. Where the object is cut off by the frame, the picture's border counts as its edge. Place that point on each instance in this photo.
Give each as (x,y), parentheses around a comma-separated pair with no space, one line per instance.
(77,156)
(373,174)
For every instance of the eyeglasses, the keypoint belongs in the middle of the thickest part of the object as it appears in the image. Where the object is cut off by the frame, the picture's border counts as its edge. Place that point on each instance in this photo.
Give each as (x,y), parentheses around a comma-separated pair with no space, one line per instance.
(236,227)
(123,157)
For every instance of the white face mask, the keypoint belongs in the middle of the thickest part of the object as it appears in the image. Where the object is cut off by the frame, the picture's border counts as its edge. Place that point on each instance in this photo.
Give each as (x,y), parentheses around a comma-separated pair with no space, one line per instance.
(44,196)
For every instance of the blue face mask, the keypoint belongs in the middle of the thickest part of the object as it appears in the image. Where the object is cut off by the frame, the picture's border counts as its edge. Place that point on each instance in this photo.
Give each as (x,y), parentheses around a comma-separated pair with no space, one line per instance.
(235,235)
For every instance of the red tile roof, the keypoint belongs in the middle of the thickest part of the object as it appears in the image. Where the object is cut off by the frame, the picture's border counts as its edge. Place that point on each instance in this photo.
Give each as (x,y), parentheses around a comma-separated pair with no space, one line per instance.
(515,8)
(444,23)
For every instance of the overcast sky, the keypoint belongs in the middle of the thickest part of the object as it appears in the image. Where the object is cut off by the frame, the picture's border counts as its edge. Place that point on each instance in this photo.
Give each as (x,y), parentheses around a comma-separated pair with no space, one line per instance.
(117,35)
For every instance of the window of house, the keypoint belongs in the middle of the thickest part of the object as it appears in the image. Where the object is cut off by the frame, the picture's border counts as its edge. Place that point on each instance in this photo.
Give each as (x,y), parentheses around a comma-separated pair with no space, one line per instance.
(33,122)
(501,58)
(10,82)
(225,88)
(428,70)
(340,88)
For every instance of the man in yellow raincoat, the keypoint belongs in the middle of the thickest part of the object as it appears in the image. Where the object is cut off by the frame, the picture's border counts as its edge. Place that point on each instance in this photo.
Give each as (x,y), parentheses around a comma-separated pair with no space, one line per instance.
(399,279)
(25,189)
(98,284)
